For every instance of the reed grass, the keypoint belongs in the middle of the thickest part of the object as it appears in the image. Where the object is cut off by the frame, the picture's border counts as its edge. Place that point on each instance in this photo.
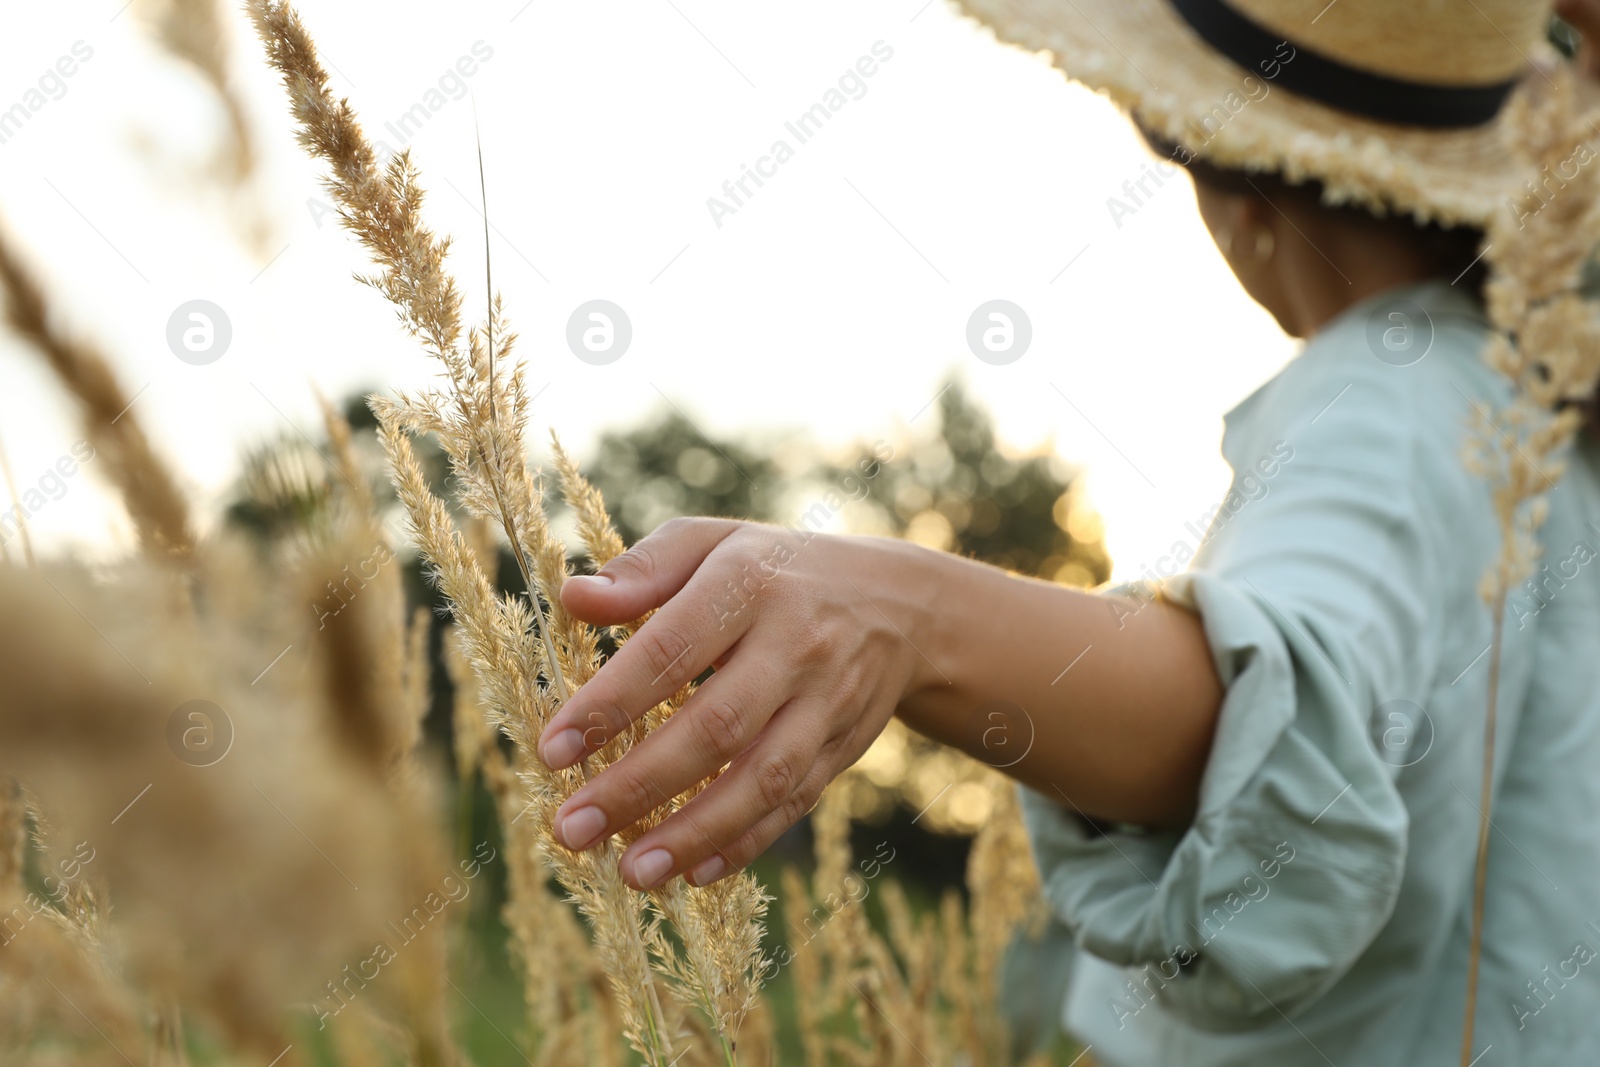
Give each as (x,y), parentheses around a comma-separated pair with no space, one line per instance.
(224,916)
(157,506)
(530,656)
(195,32)
(1546,342)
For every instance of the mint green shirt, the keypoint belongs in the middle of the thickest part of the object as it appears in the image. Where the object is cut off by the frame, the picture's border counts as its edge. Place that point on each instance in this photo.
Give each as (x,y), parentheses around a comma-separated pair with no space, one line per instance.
(1318,909)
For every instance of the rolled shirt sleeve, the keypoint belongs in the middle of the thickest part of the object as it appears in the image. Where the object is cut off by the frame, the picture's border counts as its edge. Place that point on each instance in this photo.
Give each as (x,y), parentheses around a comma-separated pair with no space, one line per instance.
(1289,870)
(1318,588)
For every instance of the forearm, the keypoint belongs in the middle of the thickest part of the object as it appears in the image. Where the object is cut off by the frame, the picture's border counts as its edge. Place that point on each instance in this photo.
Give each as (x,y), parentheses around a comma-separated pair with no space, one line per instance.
(815,641)
(1107,705)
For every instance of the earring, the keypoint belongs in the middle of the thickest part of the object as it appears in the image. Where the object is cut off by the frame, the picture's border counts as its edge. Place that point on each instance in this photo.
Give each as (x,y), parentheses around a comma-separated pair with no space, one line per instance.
(1266,244)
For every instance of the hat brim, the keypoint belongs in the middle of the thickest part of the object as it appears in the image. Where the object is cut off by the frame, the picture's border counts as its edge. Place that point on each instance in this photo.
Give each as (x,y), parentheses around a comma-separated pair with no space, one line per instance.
(1147,59)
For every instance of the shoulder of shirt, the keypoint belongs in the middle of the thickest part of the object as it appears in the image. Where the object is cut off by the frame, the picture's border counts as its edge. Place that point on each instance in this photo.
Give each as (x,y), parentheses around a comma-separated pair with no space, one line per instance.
(1354,398)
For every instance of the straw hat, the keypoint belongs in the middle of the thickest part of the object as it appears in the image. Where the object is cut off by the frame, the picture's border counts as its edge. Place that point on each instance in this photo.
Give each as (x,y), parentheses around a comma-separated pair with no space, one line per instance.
(1397,104)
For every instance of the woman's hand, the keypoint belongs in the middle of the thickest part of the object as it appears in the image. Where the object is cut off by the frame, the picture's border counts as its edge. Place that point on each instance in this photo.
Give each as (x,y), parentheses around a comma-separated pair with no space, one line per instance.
(813,640)
(817,639)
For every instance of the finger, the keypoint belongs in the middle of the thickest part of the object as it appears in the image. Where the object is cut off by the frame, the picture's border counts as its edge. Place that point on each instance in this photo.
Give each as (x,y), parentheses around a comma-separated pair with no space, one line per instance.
(767,789)
(678,642)
(715,726)
(646,575)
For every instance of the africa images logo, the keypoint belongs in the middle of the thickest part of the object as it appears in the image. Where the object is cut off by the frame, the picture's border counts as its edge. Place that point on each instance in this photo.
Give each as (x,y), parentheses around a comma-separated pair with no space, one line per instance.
(851,85)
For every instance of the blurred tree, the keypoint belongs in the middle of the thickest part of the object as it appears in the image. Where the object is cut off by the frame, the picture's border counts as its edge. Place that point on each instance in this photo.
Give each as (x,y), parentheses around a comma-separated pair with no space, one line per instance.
(949,486)
(955,489)
(952,487)
(665,467)
(282,489)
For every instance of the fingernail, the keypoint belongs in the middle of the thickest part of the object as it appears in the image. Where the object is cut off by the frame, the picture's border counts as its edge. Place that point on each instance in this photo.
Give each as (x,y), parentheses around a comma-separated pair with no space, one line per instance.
(652,867)
(563,749)
(583,827)
(709,871)
(594,579)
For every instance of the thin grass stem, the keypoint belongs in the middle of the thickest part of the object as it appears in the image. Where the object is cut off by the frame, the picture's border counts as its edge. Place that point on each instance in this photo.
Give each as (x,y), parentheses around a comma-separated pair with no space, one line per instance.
(1481,873)
(16,509)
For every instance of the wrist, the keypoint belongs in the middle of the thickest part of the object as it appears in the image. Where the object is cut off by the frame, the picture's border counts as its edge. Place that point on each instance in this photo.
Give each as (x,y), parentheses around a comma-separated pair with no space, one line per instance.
(909,584)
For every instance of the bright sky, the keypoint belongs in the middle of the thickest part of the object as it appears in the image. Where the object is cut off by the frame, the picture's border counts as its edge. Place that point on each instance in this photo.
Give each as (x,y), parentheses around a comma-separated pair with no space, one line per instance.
(835,298)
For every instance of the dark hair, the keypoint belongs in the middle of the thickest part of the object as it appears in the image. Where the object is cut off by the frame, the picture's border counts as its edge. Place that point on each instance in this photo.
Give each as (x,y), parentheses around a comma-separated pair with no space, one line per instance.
(1452,252)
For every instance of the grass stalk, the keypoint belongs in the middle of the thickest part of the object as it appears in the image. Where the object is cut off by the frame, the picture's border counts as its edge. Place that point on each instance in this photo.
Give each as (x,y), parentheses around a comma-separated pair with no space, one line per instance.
(1480,875)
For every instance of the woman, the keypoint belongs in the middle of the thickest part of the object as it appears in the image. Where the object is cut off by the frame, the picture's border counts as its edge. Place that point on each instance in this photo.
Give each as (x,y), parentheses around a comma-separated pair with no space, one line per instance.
(1252,792)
